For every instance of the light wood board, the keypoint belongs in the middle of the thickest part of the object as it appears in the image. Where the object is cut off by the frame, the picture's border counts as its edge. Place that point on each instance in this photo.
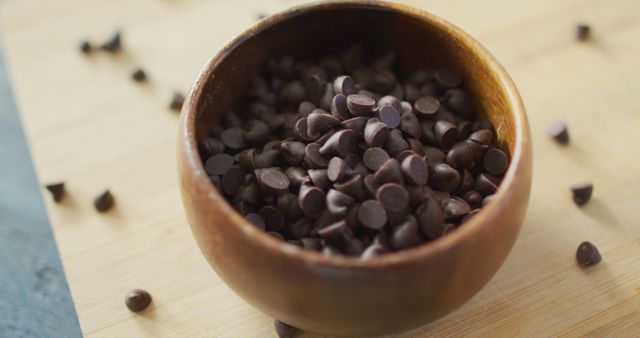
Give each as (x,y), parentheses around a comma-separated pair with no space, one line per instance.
(88,124)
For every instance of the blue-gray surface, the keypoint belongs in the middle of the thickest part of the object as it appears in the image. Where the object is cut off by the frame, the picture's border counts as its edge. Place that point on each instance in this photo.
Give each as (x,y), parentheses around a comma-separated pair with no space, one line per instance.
(34,295)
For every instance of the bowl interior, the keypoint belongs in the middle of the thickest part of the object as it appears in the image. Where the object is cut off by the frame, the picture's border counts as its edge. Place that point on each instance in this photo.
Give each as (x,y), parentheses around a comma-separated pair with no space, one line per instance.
(330,29)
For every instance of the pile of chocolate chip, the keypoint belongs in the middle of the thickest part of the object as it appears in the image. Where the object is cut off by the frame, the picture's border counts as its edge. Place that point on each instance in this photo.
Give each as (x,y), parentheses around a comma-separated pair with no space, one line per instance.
(359,164)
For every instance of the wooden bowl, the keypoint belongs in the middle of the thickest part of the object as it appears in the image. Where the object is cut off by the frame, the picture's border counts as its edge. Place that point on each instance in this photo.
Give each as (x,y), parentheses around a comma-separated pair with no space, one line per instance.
(345,296)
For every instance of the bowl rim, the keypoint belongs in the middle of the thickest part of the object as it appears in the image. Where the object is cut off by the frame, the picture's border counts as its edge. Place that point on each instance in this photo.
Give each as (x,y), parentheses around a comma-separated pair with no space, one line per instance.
(419,253)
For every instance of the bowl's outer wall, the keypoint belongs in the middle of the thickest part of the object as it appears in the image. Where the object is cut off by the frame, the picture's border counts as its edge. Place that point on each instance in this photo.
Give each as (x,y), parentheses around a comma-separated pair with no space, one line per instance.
(354,299)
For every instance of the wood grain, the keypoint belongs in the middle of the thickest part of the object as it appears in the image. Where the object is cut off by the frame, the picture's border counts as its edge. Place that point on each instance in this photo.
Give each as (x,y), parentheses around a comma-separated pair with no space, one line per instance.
(90,125)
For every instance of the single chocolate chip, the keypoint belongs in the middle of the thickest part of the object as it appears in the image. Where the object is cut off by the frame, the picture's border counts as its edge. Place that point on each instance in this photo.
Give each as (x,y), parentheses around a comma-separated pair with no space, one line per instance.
(249,192)
(344,85)
(233,138)
(410,125)
(292,152)
(341,143)
(587,254)
(393,197)
(459,101)
(455,209)
(273,218)
(210,146)
(390,101)
(559,132)
(360,169)
(374,157)
(466,182)
(357,124)
(232,180)
(139,75)
(444,177)
(273,181)
(433,155)
(296,175)
(395,142)
(292,92)
(389,172)
(285,331)
(582,193)
(299,228)
(320,178)
(103,201)
(57,190)
(375,133)
(312,157)
(405,235)
(339,107)
(352,160)
(446,133)
(390,116)
(218,164)
(305,108)
(485,185)
(319,122)
(372,215)
(337,169)
(427,105)
(482,136)
(473,198)
(338,234)
(462,155)
(431,218)
(373,250)
(177,100)
(137,300)
(114,43)
(448,77)
(360,104)
(85,47)
(415,169)
(495,161)
(404,154)
(256,133)
(338,202)
(441,196)
(465,128)
(327,97)
(289,205)
(256,220)
(428,132)
(417,194)
(370,185)
(325,137)
(352,187)
(311,200)
(267,159)
(300,129)
(583,32)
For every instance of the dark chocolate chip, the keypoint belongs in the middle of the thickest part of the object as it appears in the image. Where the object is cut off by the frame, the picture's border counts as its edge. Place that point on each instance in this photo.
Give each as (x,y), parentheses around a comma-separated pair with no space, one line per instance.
(433,155)
(218,164)
(389,172)
(338,202)
(582,193)
(404,154)
(448,77)
(85,47)
(256,133)
(455,209)
(305,108)
(410,125)
(360,104)
(460,102)
(137,300)
(273,181)
(341,143)
(374,157)
(495,161)
(232,180)
(113,44)
(311,200)
(233,138)
(375,133)
(371,214)
(210,146)
(338,234)
(103,201)
(357,124)
(473,198)
(339,107)
(395,142)
(373,250)
(312,157)
(177,100)
(296,175)
(292,152)
(319,122)
(587,254)
(57,190)
(344,85)
(337,169)
(583,31)
(462,155)
(559,132)
(444,177)
(285,331)
(484,185)
(352,187)
(431,218)
(390,116)
(272,217)
(482,136)
(370,185)
(393,197)
(320,178)
(405,235)
(427,105)
(139,75)
(415,169)
(446,133)
(267,159)
(256,220)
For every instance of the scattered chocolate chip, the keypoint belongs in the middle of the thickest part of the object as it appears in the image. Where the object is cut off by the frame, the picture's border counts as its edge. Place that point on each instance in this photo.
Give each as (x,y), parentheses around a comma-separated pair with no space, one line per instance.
(337,169)
(375,133)
(103,201)
(311,200)
(415,169)
(583,32)
(559,132)
(139,75)
(85,47)
(446,133)
(390,116)
(338,202)
(405,235)
(374,157)
(114,43)
(587,254)
(393,197)
(582,193)
(137,300)
(177,100)
(285,331)
(444,177)
(389,172)
(57,190)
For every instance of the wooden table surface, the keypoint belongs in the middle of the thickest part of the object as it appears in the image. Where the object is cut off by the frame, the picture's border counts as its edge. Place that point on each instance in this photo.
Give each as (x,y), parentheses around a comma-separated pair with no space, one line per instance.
(88,124)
